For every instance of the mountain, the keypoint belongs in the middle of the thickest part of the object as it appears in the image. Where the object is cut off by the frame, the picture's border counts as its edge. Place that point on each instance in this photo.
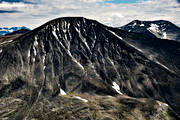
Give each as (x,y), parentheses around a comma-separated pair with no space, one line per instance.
(5,30)
(160,28)
(79,69)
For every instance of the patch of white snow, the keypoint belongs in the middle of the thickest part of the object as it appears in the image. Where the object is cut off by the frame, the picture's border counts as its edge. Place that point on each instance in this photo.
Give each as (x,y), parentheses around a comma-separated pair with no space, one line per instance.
(83,39)
(166,104)
(62,92)
(136,48)
(163,66)
(154,28)
(54,33)
(44,57)
(80,98)
(35,42)
(55,109)
(125,41)
(34,59)
(29,53)
(44,67)
(78,63)
(116,87)
(10,41)
(6,42)
(142,25)
(134,24)
(34,49)
(164,35)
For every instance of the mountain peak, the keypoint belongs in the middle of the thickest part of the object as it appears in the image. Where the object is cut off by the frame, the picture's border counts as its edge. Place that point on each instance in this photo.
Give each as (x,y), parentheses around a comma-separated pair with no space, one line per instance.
(73,58)
(160,28)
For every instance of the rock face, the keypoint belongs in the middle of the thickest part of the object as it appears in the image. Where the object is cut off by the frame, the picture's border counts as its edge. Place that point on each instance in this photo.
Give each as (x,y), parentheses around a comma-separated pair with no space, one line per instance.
(81,56)
(160,28)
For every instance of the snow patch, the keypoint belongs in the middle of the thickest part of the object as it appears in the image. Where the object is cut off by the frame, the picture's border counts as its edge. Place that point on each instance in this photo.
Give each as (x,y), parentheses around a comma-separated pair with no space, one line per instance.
(10,40)
(35,45)
(29,54)
(125,41)
(55,109)
(83,39)
(115,34)
(84,20)
(68,26)
(6,42)
(166,104)
(44,67)
(35,42)
(62,92)
(68,51)
(154,28)
(78,63)
(134,24)
(34,50)
(161,103)
(54,33)
(116,87)
(77,97)
(142,25)
(163,66)
(136,48)
(34,59)
(165,35)
(78,24)
(44,57)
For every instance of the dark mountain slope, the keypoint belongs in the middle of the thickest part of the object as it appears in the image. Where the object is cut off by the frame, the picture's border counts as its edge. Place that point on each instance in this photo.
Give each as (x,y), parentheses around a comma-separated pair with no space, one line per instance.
(163,51)
(77,55)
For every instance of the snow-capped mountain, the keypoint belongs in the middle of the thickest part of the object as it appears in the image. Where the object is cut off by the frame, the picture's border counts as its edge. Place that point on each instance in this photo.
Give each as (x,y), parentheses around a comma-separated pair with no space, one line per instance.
(160,28)
(6,30)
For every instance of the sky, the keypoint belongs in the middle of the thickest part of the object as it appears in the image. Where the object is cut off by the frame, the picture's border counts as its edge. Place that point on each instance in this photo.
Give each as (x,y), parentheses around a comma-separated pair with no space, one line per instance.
(33,13)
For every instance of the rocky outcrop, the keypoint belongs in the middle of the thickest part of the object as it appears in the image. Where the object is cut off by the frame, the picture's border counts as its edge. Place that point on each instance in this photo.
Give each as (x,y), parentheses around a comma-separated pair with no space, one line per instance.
(77,55)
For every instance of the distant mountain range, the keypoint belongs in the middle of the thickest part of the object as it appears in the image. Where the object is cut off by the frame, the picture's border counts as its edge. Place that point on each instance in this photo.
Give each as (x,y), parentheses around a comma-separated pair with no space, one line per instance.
(6,30)
(160,28)
(13,1)
(74,68)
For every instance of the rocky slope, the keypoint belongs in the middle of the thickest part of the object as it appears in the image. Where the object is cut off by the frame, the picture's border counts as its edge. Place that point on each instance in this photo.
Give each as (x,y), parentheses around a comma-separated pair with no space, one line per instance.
(79,56)
(72,107)
(160,28)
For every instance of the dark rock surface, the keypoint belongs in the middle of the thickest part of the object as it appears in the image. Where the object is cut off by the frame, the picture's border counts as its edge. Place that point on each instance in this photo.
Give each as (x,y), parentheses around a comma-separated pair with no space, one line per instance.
(77,55)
